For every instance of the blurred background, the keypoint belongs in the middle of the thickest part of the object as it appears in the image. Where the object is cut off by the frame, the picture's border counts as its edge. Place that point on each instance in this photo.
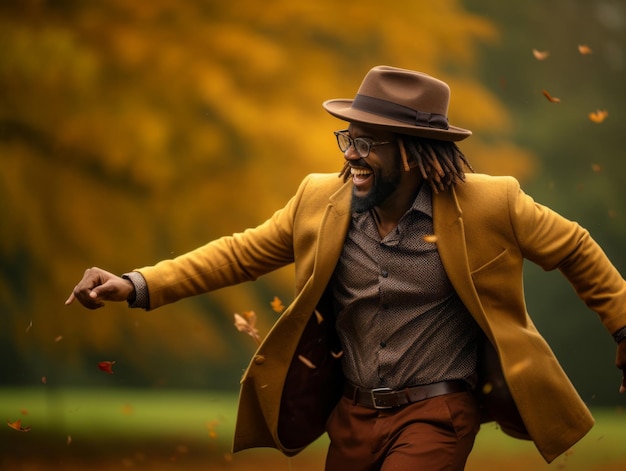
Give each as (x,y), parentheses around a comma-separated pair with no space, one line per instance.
(131,132)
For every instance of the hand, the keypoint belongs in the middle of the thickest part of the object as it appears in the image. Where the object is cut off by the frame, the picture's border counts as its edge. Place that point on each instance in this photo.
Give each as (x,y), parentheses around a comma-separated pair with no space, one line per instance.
(98,286)
(620,362)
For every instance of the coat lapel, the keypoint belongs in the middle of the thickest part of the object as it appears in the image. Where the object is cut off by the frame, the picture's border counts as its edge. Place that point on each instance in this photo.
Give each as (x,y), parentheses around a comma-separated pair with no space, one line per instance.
(333,231)
(452,247)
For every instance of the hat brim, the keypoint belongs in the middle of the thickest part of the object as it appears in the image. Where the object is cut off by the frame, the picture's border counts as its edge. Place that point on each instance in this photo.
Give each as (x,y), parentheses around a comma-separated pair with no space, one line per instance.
(342,109)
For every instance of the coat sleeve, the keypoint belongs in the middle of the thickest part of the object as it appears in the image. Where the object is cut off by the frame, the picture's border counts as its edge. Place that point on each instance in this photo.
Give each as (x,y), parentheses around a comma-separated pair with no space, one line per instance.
(226,261)
(553,242)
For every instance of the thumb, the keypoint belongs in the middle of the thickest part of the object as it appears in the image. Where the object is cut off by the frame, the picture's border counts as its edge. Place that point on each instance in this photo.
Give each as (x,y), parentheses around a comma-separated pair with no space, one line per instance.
(110,290)
(104,291)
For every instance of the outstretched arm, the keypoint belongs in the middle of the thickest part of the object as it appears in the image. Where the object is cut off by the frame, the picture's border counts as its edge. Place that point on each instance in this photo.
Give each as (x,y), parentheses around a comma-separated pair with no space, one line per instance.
(98,286)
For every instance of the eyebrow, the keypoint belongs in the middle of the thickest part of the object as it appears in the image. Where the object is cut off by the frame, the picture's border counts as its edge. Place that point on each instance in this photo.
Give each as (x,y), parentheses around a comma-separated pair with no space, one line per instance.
(366,136)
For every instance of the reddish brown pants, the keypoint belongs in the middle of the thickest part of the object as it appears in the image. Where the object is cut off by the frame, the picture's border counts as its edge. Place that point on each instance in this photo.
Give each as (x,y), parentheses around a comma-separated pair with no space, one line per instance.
(432,435)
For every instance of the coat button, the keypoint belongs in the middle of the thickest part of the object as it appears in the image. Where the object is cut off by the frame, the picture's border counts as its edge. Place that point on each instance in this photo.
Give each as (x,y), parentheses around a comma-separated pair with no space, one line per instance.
(259,359)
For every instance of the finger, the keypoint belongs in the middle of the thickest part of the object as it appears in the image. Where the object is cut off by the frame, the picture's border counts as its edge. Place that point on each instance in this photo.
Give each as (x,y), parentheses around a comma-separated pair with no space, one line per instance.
(71,299)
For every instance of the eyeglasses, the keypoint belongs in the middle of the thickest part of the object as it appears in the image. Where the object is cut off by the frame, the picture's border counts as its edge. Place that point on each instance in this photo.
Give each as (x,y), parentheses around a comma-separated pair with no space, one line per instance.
(362,145)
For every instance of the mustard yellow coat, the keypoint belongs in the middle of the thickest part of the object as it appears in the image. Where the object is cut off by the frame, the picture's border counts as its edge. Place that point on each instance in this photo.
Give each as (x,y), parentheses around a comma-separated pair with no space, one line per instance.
(484,228)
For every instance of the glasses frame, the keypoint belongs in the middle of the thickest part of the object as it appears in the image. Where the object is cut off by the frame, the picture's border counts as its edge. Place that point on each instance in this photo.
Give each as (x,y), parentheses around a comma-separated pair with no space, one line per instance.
(352,143)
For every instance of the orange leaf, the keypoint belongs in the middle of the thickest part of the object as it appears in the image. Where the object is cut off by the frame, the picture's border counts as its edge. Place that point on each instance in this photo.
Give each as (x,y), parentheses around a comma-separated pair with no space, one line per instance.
(277,304)
(17,425)
(550,97)
(584,50)
(598,116)
(596,168)
(540,55)
(432,239)
(106,366)
(319,317)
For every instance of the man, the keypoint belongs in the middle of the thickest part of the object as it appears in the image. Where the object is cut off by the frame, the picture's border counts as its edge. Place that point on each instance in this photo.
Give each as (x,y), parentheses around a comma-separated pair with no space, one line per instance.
(409,297)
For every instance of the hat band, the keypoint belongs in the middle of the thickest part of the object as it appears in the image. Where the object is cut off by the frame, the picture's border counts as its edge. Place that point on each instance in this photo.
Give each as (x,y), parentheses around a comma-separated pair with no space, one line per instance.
(398,112)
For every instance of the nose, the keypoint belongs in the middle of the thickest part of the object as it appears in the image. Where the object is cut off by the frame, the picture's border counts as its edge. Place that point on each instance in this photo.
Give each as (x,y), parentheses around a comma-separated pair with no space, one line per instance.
(351,153)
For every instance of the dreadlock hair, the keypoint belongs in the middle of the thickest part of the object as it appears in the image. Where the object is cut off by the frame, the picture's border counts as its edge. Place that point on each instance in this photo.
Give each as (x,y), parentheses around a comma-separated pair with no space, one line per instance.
(441,163)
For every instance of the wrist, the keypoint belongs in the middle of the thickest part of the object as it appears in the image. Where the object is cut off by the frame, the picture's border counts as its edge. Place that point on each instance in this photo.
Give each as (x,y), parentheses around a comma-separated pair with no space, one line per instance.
(132,293)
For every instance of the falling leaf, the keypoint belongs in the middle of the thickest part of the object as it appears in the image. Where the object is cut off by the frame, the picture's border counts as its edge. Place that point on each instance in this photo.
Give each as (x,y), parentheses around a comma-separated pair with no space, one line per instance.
(487,388)
(127,409)
(106,366)
(44,380)
(307,362)
(17,425)
(596,168)
(598,116)
(550,97)
(58,338)
(211,428)
(319,317)
(584,49)
(540,55)
(69,440)
(30,326)
(24,411)
(277,304)
(245,323)
(336,355)
(431,239)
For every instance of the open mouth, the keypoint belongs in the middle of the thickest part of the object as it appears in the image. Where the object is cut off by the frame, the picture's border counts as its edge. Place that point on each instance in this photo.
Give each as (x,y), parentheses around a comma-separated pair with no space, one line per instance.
(360,175)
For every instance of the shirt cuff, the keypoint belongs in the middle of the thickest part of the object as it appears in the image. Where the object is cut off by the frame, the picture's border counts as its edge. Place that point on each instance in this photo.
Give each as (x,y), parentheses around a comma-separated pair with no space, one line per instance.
(142,299)
(620,334)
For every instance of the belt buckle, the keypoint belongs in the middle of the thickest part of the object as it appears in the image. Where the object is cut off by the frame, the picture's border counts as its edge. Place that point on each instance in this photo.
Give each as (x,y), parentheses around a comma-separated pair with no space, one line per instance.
(374,400)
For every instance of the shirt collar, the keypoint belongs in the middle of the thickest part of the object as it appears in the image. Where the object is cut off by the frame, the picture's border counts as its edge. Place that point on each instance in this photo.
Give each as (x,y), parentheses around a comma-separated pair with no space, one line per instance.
(423,203)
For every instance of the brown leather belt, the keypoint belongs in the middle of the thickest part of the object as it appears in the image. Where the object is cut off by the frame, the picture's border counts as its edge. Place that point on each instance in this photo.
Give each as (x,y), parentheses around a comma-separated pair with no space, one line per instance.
(385,398)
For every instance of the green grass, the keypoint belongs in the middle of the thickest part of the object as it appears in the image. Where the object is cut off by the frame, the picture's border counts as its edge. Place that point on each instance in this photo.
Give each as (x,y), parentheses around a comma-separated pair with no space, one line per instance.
(122,414)
(111,421)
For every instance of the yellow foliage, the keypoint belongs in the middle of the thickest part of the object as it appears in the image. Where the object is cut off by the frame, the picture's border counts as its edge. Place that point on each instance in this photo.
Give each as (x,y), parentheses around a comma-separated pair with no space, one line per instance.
(134,131)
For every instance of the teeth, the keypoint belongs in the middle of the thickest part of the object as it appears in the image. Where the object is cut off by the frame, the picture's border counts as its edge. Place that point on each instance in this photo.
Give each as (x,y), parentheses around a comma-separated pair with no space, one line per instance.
(359,171)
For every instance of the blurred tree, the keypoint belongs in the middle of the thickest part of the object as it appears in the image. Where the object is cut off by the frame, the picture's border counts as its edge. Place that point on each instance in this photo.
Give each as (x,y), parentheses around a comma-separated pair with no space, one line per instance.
(135,131)
(580,163)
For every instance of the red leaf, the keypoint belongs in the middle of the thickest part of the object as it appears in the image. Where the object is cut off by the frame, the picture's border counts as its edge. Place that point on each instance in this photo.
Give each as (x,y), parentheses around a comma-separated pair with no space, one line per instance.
(106,366)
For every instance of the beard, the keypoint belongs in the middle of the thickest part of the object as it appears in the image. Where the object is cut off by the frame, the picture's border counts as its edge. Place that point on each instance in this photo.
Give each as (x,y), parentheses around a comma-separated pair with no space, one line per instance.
(383,187)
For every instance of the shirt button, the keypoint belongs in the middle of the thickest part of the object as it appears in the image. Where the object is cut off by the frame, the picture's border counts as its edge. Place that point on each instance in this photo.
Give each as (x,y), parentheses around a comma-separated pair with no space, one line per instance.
(384,273)
(383,344)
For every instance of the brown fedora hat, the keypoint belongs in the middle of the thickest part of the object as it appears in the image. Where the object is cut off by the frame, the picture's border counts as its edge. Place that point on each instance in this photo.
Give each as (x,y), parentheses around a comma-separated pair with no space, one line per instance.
(403,101)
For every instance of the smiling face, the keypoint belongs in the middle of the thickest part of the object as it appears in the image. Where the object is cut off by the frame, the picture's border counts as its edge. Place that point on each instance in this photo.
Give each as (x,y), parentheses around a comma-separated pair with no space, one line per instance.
(376,177)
